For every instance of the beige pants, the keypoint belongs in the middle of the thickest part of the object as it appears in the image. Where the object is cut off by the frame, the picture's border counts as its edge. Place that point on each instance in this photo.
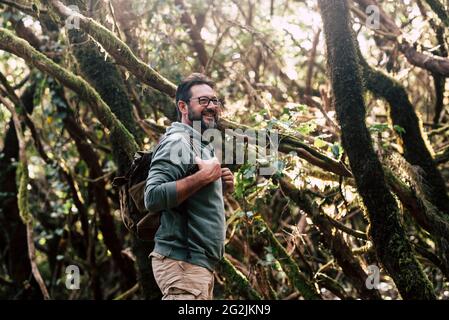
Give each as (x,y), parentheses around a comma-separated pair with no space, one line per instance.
(180,280)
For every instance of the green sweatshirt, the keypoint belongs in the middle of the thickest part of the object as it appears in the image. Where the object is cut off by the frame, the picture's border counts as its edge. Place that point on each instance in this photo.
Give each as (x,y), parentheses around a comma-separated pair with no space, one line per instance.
(197,237)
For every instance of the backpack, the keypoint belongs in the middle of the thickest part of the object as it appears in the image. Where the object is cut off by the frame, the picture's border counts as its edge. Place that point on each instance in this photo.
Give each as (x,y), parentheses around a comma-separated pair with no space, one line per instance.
(136,218)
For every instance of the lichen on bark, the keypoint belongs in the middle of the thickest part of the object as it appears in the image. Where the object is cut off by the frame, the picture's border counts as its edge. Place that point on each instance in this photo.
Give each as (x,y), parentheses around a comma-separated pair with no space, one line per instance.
(389,237)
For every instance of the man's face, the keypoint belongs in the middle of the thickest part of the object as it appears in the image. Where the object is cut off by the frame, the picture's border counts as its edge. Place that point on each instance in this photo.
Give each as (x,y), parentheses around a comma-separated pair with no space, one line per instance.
(197,111)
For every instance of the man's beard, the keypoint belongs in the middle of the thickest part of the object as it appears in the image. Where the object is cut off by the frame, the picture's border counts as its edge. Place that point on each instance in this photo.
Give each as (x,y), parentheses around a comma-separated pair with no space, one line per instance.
(204,125)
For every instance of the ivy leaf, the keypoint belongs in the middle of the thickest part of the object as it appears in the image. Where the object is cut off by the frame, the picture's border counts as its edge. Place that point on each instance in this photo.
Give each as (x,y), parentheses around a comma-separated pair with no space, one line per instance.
(306,127)
(336,150)
(319,143)
(378,127)
(400,130)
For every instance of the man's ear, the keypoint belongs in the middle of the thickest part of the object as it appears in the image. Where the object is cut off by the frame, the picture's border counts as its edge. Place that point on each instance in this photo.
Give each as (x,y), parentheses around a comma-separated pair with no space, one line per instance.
(182,107)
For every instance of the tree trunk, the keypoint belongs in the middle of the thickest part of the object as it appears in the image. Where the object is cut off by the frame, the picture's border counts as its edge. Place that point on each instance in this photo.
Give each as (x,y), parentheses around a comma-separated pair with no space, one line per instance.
(105,77)
(90,157)
(14,236)
(403,114)
(389,237)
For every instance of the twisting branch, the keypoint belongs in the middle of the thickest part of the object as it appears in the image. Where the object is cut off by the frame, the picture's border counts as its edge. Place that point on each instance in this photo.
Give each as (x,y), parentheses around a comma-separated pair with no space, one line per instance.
(350,265)
(402,114)
(116,48)
(440,10)
(388,235)
(425,214)
(289,144)
(299,281)
(195,34)
(429,62)
(21,48)
(242,284)
(22,196)
(25,9)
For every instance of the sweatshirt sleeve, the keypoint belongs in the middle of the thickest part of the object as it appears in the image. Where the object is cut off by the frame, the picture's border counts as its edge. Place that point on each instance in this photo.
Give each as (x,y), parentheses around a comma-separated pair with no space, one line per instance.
(169,164)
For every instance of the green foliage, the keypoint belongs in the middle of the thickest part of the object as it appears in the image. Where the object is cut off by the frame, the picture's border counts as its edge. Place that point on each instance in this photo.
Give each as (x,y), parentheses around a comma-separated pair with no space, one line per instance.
(400,130)
(245,181)
(378,127)
(277,251)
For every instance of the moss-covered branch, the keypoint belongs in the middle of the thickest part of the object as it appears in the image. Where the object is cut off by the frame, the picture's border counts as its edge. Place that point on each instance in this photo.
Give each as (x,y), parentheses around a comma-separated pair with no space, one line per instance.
(433,63)
(386,230)
(299,281)
(22,170)
(116,48)
(237,279)
(21,48)
(424,213)
(402,114)
(22,196)
(289,144)
(350,264)
(440,10)
(104,76)
(25,9)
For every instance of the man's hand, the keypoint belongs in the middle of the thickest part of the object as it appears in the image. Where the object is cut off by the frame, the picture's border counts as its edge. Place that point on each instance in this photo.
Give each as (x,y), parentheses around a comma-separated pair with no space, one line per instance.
(228,180)
(210,170)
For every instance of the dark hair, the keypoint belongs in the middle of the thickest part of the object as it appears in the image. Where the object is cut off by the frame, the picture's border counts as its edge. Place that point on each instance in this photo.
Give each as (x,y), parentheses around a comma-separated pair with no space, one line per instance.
(183,91)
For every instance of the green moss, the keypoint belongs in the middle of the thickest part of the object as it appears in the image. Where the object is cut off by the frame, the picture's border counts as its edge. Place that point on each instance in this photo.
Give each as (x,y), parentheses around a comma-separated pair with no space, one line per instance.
(21,48)
(237,279)
(387,232)
(297,278)
(411,280)
(416,146)
(124,56)
(105,77)
(22,195)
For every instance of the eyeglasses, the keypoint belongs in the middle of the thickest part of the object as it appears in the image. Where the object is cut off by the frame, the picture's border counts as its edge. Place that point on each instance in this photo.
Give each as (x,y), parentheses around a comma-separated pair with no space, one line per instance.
(205,101)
